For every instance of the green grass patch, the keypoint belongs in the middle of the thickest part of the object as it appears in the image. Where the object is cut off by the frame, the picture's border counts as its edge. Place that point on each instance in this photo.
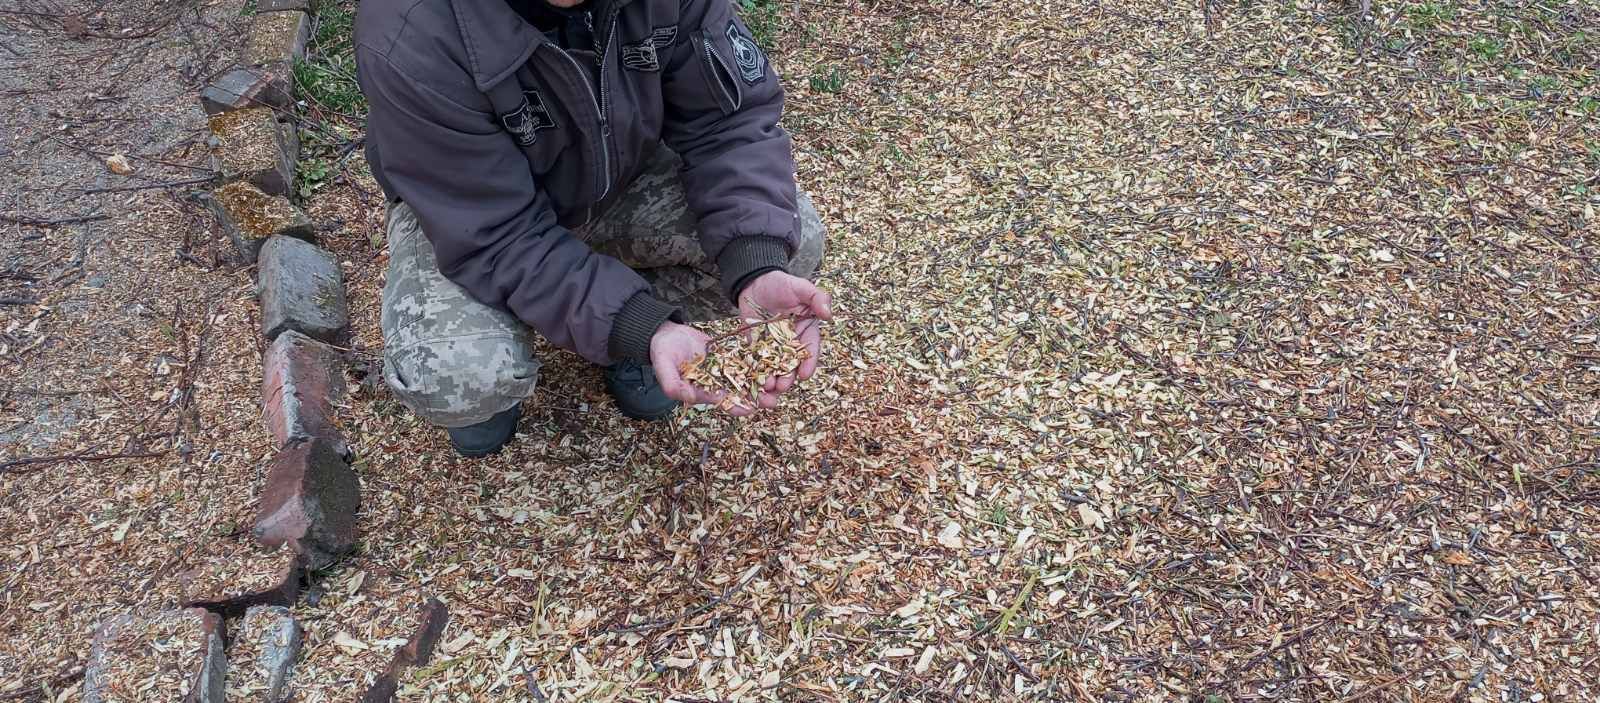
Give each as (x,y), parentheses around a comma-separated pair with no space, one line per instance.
(1486,48)
(830,82)
(763,19)
(335,111)
(1429,15)
(327,77)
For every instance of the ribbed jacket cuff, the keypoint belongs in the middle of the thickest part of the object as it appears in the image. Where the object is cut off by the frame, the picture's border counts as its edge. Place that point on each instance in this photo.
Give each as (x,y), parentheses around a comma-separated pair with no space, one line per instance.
(636,323)
(746,255)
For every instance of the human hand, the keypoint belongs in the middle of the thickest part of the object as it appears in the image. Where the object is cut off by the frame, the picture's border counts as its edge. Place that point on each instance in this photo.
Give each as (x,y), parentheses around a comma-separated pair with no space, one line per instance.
(778,293)
(675,345)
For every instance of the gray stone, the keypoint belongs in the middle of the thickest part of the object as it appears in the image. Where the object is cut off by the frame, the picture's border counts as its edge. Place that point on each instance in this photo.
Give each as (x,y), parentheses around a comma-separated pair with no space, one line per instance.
(250,217)
(277,38)
(242,88)
(289,137)
(281,5)
(251,146)
(97,280)
(310,502)
(265,648)
(302,381)
(302,289)
(174,651)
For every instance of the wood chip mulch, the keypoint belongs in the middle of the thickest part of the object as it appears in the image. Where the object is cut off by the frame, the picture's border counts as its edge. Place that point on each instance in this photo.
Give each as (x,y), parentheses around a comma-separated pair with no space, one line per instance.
(1241,352)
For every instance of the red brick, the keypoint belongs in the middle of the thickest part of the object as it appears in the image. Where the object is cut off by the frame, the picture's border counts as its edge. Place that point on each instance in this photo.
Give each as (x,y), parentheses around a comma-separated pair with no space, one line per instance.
(230,577)
(310,502)
(301,384)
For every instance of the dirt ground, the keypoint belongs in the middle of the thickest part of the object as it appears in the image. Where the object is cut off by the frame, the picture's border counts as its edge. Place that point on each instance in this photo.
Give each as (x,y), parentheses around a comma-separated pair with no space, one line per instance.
(1246,351)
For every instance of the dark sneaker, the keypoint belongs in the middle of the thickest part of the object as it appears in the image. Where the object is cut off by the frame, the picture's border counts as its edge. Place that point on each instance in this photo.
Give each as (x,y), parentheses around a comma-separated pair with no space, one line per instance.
(634,388)
(486,437)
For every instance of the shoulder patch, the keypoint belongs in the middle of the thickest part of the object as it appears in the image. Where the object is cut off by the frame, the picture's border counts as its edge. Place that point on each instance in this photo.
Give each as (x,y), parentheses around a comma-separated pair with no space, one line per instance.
(752,63)
(644,55)
(527,120)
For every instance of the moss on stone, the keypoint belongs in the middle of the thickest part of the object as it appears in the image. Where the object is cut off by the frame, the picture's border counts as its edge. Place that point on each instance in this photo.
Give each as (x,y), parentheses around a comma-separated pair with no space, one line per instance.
(257,214)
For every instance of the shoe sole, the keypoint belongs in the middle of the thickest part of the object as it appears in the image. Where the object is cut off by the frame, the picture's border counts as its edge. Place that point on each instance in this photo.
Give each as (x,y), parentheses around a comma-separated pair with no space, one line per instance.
(478,453)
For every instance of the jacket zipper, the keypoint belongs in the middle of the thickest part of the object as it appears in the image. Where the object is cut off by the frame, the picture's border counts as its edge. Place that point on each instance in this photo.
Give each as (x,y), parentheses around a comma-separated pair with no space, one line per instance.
(713,62)
(605,142)
(603,51)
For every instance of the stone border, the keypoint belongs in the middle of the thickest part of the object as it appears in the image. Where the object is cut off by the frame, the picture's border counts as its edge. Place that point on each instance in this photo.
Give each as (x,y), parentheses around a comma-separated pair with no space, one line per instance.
(312,495)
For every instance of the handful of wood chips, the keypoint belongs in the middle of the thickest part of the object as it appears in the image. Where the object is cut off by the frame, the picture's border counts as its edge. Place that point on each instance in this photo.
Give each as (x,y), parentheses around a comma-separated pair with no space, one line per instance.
(773,350)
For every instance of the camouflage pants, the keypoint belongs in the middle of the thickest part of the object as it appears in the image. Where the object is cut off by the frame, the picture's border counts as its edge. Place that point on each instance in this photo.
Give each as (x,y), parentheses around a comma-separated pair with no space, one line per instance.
(456,362)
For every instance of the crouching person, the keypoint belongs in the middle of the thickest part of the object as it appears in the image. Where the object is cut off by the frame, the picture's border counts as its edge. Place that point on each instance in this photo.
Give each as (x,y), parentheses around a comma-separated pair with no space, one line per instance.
(603,173)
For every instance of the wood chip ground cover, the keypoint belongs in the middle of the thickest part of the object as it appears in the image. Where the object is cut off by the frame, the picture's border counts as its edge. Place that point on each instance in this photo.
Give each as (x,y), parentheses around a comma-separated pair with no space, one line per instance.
(1253,359)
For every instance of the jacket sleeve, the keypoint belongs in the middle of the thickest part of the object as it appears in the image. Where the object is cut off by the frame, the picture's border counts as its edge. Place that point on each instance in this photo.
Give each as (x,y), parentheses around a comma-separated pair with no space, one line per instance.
(723,101)
(494,230)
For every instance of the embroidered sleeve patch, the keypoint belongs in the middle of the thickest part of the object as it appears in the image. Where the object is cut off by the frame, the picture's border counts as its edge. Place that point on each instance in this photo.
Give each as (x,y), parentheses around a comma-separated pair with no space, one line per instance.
(752,63)
(644,55)
(526,121)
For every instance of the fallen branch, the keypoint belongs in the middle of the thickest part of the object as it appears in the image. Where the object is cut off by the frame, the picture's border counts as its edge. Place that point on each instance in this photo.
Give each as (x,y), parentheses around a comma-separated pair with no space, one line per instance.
(40,222)
(151,186)
(38,463)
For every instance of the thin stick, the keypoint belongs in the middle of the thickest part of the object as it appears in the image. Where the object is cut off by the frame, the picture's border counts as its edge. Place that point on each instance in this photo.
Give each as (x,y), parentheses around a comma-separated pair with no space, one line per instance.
(751,326)
(36,461)
(151,186)
(37,222)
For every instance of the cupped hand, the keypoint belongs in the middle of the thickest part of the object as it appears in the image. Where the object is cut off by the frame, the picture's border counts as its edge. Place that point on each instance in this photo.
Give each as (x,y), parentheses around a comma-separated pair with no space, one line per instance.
(675,345)
(778,293)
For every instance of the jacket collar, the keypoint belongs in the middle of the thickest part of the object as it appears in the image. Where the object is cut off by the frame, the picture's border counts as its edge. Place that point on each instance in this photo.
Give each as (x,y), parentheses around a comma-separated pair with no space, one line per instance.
(498,40)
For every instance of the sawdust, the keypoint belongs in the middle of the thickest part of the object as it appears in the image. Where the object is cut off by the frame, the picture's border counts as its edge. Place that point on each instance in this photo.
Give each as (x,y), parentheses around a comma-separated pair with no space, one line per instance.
(257,214)
(273,35)
(248,142)
(737,363)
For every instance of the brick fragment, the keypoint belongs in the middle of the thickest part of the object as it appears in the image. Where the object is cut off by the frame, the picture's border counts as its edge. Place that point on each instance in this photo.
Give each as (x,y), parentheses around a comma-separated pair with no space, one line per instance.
(176,652)
(266,644)
(229,577)
(302,384)
(277,38)
(240,88)
(249,217)
(310,502)
(282,5)
(431,621)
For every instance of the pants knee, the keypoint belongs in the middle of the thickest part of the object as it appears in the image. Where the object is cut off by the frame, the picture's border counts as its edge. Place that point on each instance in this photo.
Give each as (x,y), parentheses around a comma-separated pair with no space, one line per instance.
(812,241)
(461,381)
